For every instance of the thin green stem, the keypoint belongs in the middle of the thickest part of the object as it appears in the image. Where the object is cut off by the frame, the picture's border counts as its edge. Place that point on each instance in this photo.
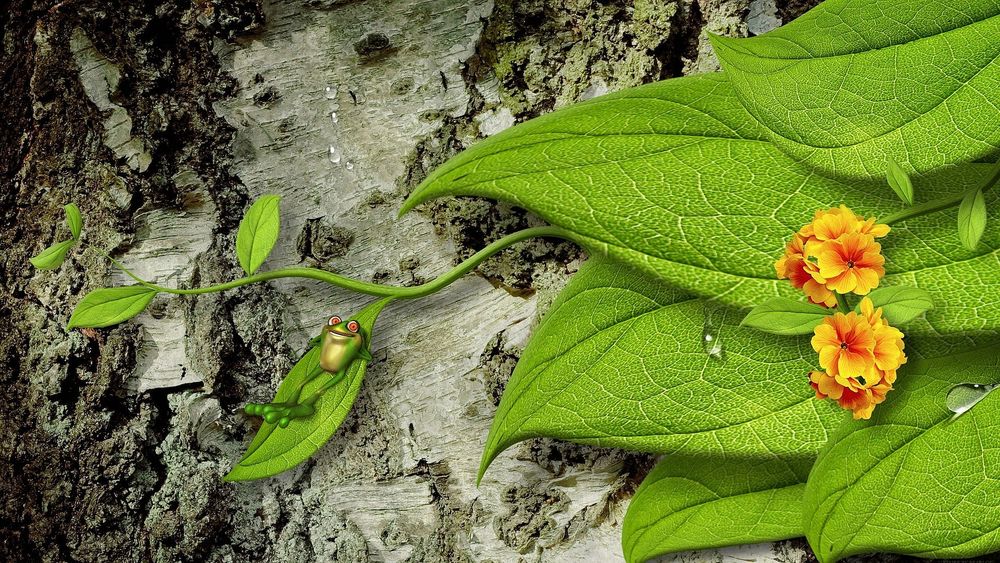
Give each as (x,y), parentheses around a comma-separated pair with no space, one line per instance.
(842,305)
(361,286)
(943,203)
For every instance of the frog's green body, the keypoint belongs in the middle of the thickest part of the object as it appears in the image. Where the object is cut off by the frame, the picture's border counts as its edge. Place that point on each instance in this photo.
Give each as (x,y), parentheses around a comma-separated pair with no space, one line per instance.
(342,343)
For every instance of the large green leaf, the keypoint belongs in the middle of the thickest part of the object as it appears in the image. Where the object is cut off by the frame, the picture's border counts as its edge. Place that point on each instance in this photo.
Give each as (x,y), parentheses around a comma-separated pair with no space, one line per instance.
(620,361)
(689,503)
(110,306)
(674,178)
(276,449)
(913,479)
(853,84)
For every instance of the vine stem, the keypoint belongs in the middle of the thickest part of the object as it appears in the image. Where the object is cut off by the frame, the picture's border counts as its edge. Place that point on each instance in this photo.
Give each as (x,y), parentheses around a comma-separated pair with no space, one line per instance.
(361,286)
(943,203)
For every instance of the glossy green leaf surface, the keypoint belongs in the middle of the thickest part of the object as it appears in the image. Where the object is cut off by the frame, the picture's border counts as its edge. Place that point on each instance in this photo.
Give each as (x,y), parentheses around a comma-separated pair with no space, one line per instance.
(74,220)
(972,219)
(619,361)
(276,449)
(780,315)
(900,304)
(258,233)
(854,83)
(676,178)
(689,503)
(900,182)
(53,256)
(913,479)
(110,306)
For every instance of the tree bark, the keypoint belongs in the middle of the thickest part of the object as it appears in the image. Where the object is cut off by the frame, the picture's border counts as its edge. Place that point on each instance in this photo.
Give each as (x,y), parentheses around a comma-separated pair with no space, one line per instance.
(162,121)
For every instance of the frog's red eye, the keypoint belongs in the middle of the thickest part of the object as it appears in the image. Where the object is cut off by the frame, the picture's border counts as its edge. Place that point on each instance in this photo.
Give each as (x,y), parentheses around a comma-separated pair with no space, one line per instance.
(334,320)
(353,326)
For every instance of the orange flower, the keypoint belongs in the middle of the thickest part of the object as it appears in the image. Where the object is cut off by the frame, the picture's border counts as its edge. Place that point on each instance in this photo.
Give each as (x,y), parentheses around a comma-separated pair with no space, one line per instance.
(835,222)
(888,350)
(856,398)
(852,262)
(845,344)
(803,273)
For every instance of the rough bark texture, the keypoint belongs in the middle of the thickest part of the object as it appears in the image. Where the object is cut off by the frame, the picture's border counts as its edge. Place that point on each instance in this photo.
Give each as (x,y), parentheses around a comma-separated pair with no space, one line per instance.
(162,120)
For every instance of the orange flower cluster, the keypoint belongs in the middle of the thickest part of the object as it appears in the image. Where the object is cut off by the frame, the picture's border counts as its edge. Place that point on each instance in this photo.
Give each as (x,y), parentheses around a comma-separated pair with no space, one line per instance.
(860,354)
(836,252)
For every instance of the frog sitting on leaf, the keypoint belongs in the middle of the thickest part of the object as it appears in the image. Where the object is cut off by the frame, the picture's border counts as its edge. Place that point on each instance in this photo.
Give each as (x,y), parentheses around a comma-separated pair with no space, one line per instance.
(343,342)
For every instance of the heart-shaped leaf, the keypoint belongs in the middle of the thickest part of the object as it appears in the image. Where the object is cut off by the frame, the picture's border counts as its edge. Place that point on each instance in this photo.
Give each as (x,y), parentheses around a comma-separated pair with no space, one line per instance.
(913,479)
(624,361)
(853,84)
(276,449)
(258,233)
(676,179)
(110,306)
(689,503)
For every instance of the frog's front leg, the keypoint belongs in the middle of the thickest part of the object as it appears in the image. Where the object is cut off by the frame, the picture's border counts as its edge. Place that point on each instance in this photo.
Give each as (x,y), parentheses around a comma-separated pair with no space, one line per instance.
(284,412)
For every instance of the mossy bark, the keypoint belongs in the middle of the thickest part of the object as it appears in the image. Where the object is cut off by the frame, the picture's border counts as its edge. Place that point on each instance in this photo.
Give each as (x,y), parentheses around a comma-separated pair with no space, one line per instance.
(162,120)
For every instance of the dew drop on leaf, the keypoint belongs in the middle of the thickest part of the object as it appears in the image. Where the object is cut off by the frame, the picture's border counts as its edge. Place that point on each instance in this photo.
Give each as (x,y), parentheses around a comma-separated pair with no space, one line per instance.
(964,396)
(711,341)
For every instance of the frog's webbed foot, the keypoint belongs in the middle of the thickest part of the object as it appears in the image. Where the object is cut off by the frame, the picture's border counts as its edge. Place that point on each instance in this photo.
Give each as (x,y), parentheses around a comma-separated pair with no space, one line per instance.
(280,413)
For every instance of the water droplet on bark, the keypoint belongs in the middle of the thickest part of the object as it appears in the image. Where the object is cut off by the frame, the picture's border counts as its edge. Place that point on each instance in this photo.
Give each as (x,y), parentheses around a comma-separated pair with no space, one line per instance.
(334,118)
(964,396)
(335,155)
(331,92)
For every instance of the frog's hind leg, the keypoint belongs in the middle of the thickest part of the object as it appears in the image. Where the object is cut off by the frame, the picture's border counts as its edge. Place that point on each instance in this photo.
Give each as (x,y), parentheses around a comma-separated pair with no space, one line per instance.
(262,409)
(284,412)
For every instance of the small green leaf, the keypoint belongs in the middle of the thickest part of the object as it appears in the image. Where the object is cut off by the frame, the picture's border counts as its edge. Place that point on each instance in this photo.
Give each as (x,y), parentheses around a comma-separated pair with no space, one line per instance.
(914,479)
(972,219)
(274,449)
(693,502)
(110,306)
(901,304)
(74,220)
(787,317)
(258,233)
(900,182)
(53,256)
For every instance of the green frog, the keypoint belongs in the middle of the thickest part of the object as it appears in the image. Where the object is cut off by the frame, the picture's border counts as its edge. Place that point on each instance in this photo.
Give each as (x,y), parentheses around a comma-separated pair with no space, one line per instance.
(342,343)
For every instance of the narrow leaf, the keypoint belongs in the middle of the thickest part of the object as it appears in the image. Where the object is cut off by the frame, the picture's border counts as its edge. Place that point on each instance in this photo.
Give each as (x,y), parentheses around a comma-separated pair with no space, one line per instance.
(623,361)
(258,233)
(914,479)
(900,182)
(74,220)
(901,304)
(780,315)
(274,449)
(53,256)
(110,306)
(972,219)
(688,503)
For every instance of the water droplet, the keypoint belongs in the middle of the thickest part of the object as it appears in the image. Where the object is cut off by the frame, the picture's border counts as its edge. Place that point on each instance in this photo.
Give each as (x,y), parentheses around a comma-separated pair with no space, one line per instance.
(964,396)
(331,92)
(335,155)
(333,117)
(711,342)
(349,165)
